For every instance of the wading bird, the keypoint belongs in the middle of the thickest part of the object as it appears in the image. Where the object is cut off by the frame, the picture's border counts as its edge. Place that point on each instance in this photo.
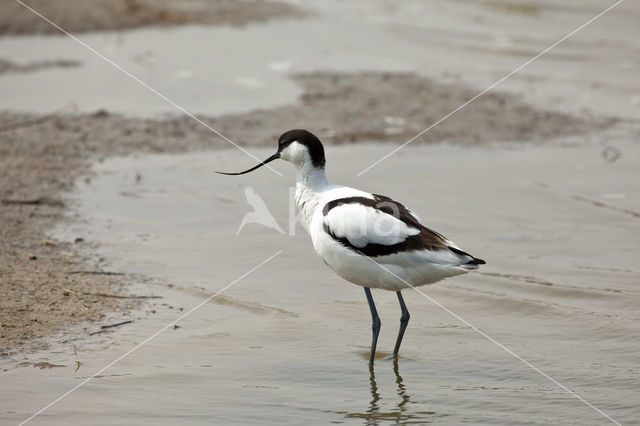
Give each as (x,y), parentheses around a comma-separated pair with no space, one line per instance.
(367,239)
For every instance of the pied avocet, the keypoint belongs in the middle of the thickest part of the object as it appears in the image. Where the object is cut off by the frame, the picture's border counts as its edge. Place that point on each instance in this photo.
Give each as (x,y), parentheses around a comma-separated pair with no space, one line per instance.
(367,239)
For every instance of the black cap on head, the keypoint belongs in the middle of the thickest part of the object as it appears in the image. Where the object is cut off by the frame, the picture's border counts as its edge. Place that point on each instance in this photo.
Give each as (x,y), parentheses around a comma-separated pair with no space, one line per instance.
(308,139)
(313,144)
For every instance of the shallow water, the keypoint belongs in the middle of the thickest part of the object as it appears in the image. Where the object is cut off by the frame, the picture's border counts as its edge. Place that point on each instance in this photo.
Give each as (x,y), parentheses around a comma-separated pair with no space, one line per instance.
(289,342)
(218,70)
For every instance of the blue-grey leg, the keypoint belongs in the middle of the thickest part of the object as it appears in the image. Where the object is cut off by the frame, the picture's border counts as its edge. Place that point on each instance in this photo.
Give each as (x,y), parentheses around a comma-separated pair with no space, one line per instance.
(404,320)
(375,326)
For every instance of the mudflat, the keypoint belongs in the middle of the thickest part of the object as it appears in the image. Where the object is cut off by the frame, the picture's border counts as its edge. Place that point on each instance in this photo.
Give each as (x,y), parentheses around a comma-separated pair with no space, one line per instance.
(534,173)
(47,285)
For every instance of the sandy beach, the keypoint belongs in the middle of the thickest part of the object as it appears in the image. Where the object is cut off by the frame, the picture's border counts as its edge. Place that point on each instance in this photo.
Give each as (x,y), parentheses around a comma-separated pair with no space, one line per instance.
(110,213)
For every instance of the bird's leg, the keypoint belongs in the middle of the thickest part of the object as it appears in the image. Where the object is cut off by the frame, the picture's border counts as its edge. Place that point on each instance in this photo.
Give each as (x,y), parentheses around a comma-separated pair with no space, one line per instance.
(375,326)
(404,320)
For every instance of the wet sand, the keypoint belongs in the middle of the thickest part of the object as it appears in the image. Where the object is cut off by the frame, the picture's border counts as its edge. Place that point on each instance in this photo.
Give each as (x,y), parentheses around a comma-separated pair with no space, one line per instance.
(289,342)
(48,285)
(79,16)
(578,104)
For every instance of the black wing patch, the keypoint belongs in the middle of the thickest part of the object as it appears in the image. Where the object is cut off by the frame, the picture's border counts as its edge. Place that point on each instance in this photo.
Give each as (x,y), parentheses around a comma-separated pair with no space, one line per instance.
(426,239)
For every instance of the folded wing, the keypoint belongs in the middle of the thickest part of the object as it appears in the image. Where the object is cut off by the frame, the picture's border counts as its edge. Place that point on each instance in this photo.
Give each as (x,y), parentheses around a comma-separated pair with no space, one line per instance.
(380,226)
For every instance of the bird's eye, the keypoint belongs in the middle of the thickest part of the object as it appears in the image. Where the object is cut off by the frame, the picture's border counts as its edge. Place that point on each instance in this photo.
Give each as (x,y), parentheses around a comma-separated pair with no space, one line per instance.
(284,144)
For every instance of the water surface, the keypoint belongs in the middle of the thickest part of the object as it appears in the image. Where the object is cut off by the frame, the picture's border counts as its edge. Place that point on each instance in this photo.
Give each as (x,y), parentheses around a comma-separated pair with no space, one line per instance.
(289,342)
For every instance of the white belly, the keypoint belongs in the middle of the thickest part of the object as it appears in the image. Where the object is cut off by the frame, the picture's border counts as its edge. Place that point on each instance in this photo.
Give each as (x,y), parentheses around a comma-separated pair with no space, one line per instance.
(394,272)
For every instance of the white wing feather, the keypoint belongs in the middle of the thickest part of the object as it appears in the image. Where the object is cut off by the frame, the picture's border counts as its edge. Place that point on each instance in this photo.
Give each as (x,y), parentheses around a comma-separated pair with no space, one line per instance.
(363,225)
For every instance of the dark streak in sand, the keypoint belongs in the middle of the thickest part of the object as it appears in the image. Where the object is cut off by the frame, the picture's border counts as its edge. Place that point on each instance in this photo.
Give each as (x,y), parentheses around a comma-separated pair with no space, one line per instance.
(606,206)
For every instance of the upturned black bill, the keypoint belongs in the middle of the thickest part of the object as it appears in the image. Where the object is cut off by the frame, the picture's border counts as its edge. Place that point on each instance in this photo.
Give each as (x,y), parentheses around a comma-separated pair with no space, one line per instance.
(268,160)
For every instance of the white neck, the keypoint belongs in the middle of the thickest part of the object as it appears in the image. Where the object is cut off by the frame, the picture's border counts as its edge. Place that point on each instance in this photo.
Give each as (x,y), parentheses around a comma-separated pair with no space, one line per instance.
(312,177)
(310,183)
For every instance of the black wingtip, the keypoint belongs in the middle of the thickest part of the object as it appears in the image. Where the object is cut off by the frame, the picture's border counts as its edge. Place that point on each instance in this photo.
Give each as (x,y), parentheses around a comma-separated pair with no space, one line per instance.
(473,261)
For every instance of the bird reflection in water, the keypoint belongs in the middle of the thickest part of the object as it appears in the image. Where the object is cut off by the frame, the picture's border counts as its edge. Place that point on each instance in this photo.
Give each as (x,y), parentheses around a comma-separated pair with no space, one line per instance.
(375,396)
(400,412)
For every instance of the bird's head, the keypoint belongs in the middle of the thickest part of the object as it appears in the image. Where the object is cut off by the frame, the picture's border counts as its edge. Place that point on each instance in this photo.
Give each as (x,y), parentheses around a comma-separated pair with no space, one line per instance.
(299,147)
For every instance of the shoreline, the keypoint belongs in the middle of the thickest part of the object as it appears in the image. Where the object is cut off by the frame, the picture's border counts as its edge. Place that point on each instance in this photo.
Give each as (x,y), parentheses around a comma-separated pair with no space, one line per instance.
(45,292)
(127,263)
(78,16)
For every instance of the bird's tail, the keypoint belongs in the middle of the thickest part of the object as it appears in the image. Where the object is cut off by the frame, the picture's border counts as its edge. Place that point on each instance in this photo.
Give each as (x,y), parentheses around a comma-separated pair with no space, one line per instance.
(470,262)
